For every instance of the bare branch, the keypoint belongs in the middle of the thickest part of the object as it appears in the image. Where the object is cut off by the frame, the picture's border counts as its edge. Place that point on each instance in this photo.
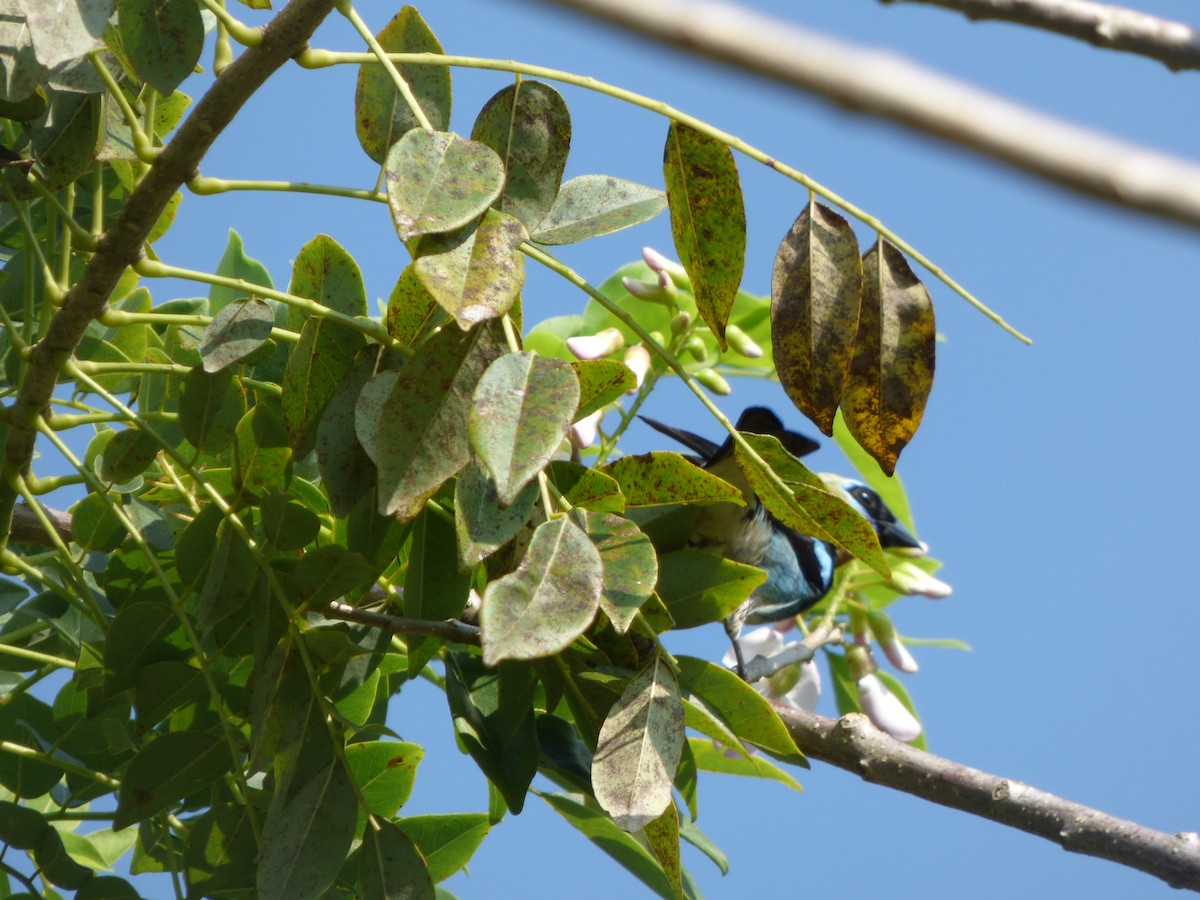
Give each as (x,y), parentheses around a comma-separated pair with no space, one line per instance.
(800,652)
(120,246)
(885,85)
(1174,44)
(449,629)
(854,744)
(27,528)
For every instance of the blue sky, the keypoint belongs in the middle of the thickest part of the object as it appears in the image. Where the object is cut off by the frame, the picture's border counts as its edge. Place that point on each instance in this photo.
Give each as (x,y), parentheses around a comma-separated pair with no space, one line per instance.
(1057,482)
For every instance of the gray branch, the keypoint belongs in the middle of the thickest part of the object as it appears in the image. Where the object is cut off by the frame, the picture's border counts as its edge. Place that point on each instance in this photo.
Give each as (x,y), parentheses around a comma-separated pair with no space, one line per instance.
(121,246)
(854,744)
(448,629)
(885,85)
(1174,44)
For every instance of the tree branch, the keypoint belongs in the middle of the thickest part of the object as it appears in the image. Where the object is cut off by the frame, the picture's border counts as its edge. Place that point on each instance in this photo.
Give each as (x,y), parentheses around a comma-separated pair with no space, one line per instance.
(854,744)
(448,629)
(120,246)
(27,527)
(885,85)
(1174,44)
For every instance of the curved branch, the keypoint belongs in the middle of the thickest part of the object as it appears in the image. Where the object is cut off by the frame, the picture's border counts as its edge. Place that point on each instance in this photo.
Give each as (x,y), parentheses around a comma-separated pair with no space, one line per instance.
(885,85)
(1174,44)
(854,744)
(120,246)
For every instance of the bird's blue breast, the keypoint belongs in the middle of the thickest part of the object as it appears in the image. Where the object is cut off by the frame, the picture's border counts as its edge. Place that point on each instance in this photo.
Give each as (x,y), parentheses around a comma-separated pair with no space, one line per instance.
(799,573)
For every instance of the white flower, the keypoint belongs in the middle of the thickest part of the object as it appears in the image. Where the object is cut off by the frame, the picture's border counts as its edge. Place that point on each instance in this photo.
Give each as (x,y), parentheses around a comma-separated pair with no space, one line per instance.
(660,264)
(799,686)
(910,578)
(637,360)
(594,346)
(885,710)
(583,432)
(899,656)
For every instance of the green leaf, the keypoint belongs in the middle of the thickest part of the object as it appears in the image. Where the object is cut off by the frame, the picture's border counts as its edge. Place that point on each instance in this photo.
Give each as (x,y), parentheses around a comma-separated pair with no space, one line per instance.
(390,866)
(412,311)
(209,409)
(56,866)
(629,562)
(330,572)
(66,31)
(497,728)
(66,138)
(447,842)
(522,408)
(438,182)
(166,770)
(481,524)
(315,368)
(162,38)
(347,472)
(220,852)
(381,114)
(287,525)
(749,715)
(105,887)
(528,125)
(94,523)
(892,373)
(20,826)
(232,579)
(306,839)
(142,633)
(422,433)
(548,601)
(384,772)
(698,839)
(589,488)
(702,719)
(713,758)
(127,455)
(662,478)
(708,220)
(236,264)
(601,381)
(600,830)
(163,688)
(325,272)
(663,837)
(593,205)
(476,272)
(434,588)
(816,288)
(235,332)
(699,587)
(639,748)
(262,452)
(809,506)
(27,721)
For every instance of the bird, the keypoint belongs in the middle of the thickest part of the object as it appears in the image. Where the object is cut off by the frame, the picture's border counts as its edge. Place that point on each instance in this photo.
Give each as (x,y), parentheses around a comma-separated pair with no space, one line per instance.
(800,568)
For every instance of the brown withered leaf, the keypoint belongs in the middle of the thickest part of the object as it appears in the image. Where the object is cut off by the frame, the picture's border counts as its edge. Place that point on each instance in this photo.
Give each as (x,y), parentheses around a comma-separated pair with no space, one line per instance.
(892,372)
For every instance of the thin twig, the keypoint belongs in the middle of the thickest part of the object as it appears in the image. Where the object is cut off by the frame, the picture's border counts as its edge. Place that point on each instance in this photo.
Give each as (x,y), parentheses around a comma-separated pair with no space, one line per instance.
(448,629)
(799,652)
(883,84)
(854,744)
(1175,44)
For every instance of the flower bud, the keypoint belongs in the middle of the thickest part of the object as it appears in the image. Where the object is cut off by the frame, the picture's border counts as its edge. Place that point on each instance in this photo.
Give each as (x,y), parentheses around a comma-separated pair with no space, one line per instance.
(696,348)
(860,661)
(594,346)
(661,265)
(909,578)
(712,380)
(583,432)
(885,710)
(742,343)
(637,360)
(893,649)
(663,292)
(680,323)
